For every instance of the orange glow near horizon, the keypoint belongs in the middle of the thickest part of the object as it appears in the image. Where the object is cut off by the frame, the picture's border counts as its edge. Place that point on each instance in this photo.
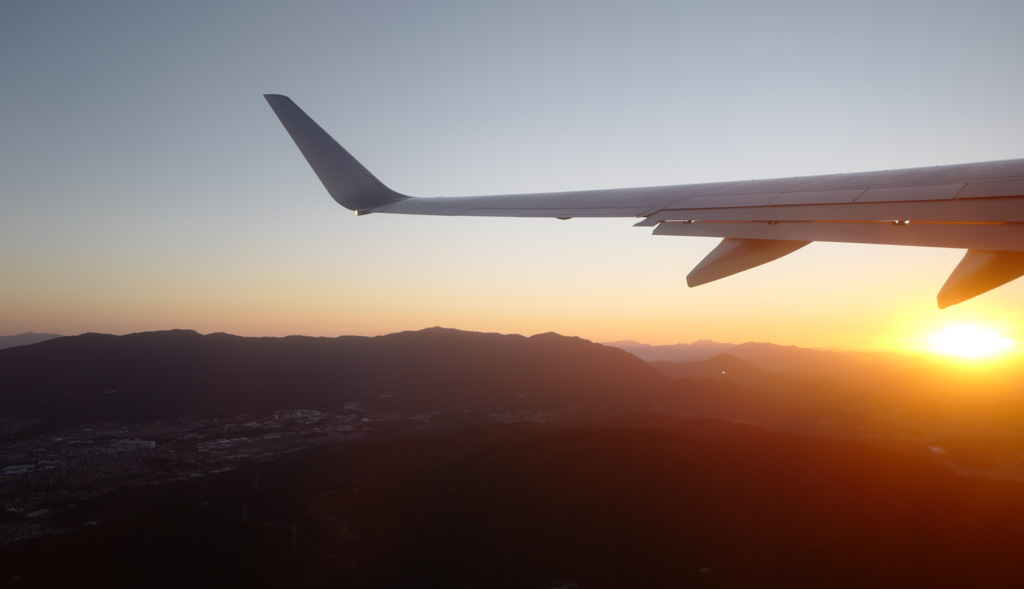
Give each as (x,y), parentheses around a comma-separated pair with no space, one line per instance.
(806,302)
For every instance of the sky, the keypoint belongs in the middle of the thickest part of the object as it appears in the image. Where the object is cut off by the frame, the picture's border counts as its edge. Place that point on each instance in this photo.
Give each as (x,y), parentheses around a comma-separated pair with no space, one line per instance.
(145,184)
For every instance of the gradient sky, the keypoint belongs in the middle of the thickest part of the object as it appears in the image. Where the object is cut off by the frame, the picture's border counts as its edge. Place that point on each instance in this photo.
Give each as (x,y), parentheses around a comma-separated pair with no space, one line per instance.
(145,184)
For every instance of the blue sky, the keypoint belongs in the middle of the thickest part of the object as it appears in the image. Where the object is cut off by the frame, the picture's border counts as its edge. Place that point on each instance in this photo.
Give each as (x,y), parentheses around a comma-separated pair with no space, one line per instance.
(145,184)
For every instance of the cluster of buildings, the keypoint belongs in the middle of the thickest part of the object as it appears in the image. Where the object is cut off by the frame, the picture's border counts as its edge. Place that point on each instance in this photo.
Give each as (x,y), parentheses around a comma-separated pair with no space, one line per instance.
(45,473)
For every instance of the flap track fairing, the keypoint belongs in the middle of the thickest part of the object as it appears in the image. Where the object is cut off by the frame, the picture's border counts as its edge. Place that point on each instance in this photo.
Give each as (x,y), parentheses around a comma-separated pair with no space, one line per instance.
(732,256)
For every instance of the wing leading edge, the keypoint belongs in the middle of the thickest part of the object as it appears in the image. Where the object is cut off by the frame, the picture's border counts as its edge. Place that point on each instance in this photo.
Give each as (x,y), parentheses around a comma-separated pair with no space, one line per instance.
(978,207)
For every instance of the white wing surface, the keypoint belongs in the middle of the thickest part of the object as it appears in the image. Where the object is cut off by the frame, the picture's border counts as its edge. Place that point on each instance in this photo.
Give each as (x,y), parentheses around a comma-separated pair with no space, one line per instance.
(978,207)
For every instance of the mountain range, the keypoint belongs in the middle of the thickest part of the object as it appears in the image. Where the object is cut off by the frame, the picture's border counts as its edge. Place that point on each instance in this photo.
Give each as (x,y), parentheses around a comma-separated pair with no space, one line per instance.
(159,375)
(580,465)
(162,375)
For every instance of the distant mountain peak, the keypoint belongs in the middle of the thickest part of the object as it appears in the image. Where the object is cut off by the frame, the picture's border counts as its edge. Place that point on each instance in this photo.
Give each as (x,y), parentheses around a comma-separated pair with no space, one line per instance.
(698,350)
(25,339)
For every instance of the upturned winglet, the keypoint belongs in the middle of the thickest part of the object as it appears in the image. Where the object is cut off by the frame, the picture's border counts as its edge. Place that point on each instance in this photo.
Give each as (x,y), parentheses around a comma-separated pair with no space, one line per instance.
(347,181)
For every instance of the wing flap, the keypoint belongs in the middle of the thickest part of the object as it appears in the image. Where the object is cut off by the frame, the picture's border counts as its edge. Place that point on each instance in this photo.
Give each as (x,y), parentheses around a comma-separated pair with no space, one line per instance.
(995,236)
(970,210)
(911,193)
(992,189)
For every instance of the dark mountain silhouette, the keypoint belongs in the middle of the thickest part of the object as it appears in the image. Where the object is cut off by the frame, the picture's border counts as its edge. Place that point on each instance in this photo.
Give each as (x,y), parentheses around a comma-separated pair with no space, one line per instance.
(159,375)
(163,375)
(24,339)
(640,501)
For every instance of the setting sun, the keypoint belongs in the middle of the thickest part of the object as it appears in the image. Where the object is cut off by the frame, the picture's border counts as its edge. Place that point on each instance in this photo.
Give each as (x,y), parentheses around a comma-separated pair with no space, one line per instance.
(969,341)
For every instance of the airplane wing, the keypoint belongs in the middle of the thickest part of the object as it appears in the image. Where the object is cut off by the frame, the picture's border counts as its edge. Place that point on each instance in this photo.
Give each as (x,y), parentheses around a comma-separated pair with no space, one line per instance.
(978,207)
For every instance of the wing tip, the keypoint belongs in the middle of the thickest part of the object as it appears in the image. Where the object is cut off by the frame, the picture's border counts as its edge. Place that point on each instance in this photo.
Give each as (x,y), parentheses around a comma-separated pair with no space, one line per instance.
(346,180)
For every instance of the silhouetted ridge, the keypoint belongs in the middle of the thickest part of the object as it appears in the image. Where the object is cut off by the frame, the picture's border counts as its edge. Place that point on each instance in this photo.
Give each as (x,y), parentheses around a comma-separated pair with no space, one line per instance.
(157,375)
(24,339)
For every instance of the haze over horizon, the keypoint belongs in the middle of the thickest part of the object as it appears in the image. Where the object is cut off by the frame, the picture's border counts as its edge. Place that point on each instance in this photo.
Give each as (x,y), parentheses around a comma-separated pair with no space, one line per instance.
(146,184)
(958,350)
